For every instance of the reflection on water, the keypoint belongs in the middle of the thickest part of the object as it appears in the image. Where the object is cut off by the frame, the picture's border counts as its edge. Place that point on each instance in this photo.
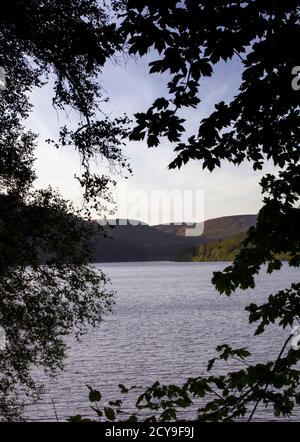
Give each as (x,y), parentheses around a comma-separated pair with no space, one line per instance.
(166,323)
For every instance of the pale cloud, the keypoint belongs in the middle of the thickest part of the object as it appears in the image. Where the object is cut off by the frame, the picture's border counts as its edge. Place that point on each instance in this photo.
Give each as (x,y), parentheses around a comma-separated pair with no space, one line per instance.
(228,190)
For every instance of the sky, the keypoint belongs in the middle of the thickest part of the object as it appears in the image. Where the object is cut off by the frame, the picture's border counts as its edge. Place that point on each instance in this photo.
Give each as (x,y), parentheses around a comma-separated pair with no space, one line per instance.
(229,190)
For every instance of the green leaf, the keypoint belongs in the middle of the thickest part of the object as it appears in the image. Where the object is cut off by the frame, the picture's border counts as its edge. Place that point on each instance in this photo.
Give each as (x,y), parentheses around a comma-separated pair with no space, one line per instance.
(76,418)
(123,389)
(211,363)
(109,413)
(95,396)
(132,418)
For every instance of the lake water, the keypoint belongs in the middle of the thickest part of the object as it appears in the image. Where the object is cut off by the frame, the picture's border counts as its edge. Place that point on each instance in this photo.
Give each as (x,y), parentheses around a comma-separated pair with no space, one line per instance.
(166,323)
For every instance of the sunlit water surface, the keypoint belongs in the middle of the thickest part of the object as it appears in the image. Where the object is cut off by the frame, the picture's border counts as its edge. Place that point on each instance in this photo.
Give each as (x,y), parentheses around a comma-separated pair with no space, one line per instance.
(166,323)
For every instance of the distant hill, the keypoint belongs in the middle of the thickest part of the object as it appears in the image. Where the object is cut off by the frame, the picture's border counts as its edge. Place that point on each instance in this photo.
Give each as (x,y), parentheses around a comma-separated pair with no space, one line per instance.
(162,243)
(216,228)
(140,243)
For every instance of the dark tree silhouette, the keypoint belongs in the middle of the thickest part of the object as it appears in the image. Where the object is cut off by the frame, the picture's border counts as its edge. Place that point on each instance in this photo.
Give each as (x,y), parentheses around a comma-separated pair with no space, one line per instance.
(47,287)
(260,124)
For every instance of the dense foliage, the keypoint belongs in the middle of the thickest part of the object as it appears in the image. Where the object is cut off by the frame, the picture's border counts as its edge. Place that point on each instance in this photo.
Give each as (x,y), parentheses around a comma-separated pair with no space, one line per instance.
(47,288)
(223,250)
